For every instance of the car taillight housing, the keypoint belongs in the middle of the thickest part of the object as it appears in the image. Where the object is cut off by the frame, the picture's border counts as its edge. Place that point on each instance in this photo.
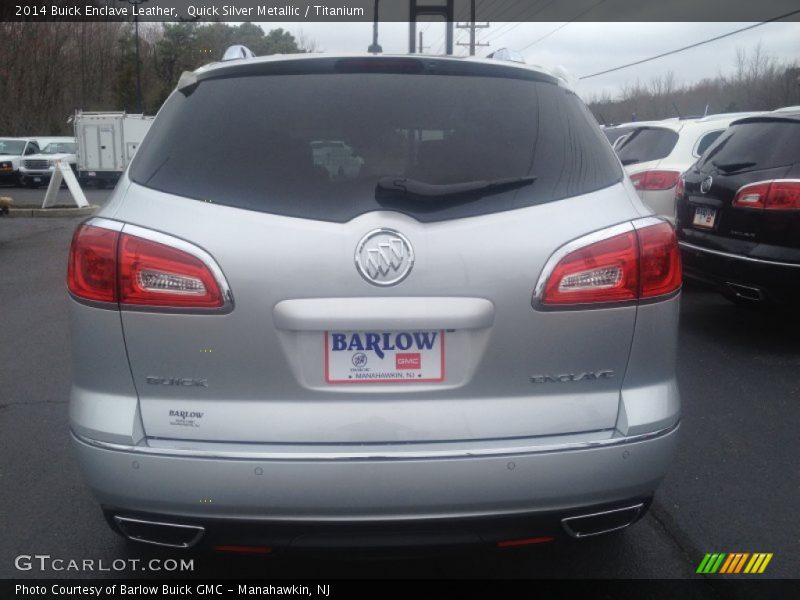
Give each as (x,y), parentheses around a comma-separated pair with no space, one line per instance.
(652,181)
(92,268)
(680,188)
(623,264)
(109,265)
(775,194)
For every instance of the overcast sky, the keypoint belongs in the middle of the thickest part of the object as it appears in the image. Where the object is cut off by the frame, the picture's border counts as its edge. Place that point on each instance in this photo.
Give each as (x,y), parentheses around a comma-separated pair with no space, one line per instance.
(583,48)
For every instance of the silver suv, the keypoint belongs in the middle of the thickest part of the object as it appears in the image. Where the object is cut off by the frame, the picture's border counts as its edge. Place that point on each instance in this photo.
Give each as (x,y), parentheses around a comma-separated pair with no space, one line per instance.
(468,335)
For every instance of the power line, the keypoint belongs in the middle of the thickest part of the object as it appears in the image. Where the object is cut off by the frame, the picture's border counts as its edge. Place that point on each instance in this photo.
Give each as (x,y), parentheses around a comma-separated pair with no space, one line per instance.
(714,39)
(559,28)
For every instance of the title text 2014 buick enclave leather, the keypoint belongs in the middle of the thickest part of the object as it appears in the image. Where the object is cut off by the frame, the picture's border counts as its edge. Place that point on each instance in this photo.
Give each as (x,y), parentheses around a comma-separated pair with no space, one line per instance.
(373,301)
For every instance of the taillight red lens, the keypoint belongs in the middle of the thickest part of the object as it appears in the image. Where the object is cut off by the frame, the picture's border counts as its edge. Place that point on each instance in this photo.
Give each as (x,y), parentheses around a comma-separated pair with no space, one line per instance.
(783,195)
(769,195)
(108,266)
(655,180)
(604,271)
(680,188)
(154,274)
(660,270)
(92,270)
(643,263)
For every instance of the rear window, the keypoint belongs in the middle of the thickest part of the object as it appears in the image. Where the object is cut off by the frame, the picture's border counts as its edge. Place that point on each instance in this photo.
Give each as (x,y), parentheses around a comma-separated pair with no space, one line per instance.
(315,145)
(646,144)
(706,141)
(755,145)
(614,133)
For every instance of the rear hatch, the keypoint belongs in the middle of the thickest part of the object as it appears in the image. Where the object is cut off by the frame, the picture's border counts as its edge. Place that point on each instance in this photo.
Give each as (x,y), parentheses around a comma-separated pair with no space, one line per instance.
(753,152)
(372,302)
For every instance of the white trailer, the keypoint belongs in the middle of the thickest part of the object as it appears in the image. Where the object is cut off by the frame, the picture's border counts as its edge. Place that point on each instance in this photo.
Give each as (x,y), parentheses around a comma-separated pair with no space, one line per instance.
(107,142)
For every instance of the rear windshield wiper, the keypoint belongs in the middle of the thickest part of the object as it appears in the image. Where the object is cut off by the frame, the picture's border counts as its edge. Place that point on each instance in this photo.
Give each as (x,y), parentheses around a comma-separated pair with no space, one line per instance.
(401,188)
(733,166)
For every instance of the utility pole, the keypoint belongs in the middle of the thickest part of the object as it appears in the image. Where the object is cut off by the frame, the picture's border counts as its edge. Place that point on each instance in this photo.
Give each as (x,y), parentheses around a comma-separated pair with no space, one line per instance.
(472,26)
(375,47)
(421,45)
(139,107)
(445,11)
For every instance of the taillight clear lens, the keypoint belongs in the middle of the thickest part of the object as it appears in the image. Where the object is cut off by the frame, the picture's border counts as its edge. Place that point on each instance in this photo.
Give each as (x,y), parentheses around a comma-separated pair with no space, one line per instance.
(643,263)
(752,196)
(655,180)
(92,269)
(153,274)
(605,271)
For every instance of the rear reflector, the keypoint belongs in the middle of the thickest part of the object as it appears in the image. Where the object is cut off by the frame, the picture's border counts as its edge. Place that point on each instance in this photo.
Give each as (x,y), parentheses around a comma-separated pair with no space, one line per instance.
(641,263)
(108,266)
(524,542)
(778,194)
(655,180)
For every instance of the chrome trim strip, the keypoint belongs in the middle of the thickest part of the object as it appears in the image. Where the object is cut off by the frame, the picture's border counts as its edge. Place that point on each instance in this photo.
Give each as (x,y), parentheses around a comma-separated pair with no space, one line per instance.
(105,223)
(575,534)
(379,455)
(737,256)
(199,531)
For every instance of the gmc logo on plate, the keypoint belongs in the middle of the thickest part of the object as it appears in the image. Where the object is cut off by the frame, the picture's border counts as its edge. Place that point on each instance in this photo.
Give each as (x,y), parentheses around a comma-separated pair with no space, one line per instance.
(408,360)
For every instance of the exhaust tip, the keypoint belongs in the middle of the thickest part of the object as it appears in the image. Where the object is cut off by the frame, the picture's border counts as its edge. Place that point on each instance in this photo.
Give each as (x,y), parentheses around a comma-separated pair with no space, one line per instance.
(598,523)
(746,292)
(170,535)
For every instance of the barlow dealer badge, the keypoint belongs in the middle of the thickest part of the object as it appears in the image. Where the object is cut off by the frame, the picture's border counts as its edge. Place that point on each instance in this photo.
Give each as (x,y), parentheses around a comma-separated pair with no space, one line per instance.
(384,257)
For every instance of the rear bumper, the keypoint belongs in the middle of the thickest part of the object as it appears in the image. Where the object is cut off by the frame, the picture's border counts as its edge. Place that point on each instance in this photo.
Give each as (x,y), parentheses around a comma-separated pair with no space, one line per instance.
(292,498)
(777,281)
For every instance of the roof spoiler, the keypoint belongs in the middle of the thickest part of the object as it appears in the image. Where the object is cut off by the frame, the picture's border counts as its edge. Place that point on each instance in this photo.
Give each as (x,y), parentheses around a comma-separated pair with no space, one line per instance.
(237,51)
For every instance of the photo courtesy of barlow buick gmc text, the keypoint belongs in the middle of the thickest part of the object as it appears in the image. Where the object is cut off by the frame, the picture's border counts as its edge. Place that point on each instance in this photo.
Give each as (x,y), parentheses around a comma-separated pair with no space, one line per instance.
(326,300)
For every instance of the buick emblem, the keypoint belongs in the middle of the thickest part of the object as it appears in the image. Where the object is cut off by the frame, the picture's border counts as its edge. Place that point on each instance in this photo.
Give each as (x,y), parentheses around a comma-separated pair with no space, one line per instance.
(706,185)
(384,257)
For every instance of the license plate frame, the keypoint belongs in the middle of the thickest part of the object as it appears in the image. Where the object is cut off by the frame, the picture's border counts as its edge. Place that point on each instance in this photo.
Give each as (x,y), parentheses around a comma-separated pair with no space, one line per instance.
(413,363)
(704,217)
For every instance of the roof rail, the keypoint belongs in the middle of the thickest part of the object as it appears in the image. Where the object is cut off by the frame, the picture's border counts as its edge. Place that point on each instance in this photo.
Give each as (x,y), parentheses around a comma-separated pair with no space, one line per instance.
(508,55)
(237,51)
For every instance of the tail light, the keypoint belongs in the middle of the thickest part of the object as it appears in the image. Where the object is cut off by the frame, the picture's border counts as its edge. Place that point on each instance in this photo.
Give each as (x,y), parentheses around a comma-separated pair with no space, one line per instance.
(655,180)
(92,268)
(777,194)
(680,188)
(621,264)
(133,269)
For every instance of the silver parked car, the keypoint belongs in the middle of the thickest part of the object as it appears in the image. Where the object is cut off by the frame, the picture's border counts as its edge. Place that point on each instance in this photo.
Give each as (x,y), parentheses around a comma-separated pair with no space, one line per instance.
(468,339)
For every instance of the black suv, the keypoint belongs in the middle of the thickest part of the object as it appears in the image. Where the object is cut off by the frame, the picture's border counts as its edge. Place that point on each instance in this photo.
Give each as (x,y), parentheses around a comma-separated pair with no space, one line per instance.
(738,211)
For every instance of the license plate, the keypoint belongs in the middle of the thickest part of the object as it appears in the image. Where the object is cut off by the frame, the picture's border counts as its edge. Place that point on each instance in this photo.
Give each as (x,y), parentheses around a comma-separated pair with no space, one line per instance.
(384,357)
(37,180)
(704,217)
(91,174)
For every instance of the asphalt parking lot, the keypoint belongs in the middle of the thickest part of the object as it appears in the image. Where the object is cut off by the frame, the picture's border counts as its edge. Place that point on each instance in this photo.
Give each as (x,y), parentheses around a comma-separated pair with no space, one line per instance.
(734,485)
